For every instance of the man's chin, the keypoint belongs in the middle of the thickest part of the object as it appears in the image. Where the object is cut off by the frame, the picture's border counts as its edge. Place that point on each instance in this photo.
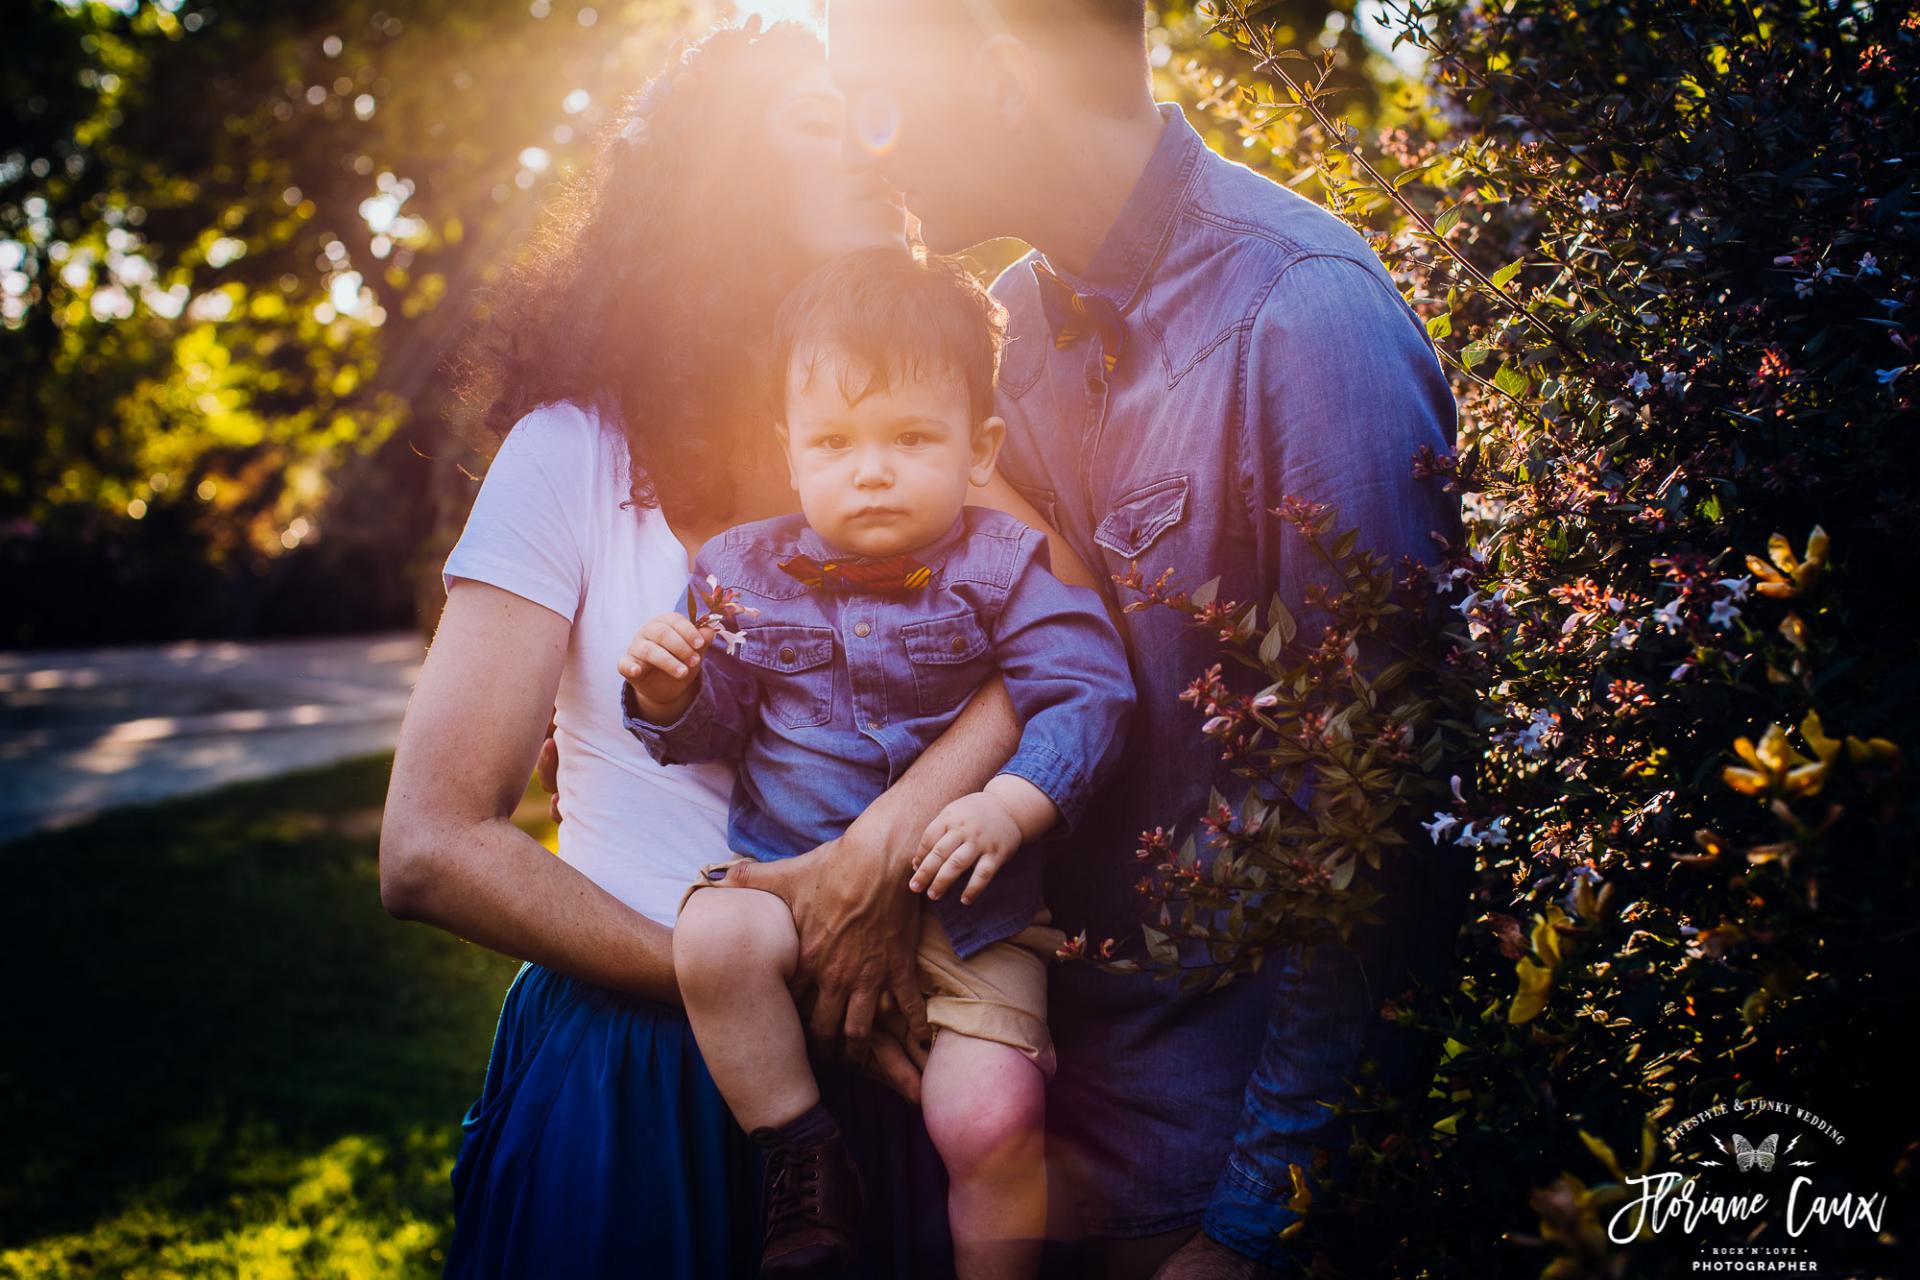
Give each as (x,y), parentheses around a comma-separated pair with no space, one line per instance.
(946,233)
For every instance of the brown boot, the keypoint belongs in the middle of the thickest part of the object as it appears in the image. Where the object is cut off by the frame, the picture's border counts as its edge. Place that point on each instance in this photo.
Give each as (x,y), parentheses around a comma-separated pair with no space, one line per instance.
(813,1199)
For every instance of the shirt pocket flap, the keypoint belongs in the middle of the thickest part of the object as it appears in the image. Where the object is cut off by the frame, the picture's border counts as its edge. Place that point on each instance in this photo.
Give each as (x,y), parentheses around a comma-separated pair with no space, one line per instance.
(1143,515)
(785,648)
(944,641)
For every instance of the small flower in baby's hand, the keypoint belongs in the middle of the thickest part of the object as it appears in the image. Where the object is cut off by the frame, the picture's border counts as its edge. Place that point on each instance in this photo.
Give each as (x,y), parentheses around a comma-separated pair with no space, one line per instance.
(714,608)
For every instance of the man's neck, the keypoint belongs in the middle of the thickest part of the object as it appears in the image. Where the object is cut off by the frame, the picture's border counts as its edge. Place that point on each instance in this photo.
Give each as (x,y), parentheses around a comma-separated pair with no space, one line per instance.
(1092,168)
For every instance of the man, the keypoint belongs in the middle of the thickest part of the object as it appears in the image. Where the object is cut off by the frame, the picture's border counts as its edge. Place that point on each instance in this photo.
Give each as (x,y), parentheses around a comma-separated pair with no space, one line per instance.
(1189,343)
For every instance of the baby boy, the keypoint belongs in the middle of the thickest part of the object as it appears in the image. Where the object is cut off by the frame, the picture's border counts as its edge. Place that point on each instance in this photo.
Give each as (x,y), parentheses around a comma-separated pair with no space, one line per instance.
(865,625)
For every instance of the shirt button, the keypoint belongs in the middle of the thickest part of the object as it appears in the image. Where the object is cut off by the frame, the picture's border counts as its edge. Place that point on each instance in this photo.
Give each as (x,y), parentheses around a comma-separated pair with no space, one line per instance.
(786,653)
(958,644)
(874,725)
(862,630)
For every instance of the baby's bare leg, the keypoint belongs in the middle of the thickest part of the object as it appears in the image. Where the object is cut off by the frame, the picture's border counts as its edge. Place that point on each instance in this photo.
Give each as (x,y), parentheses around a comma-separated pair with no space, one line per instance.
(985,1105)
(734,952)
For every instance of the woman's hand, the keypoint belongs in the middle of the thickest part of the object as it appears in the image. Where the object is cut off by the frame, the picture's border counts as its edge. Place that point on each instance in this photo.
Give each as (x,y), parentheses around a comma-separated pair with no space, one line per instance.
(859,930)
(859,925)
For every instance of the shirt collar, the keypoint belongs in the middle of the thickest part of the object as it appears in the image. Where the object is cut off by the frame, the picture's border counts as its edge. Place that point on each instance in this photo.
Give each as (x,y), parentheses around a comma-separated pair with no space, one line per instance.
(933,555)
(1133,244)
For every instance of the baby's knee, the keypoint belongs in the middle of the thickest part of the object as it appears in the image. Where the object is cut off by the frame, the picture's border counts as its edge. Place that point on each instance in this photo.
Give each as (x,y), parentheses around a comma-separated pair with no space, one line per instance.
(728,931)
(990,1134)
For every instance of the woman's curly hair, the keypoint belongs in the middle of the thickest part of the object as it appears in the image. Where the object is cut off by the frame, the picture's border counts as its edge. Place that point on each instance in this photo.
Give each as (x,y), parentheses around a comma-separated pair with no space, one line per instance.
(649,292)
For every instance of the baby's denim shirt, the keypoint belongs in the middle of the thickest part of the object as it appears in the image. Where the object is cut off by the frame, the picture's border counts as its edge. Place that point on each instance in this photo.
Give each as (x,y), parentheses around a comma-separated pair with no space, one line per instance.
(835,691)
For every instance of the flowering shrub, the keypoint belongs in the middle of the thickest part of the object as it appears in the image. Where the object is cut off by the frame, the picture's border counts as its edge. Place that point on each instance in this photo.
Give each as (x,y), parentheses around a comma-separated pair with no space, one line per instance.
(1667,255)
(1337,748)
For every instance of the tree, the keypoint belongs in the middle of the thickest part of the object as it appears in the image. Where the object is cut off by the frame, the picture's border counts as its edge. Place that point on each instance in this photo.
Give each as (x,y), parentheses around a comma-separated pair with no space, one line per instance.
(237,243)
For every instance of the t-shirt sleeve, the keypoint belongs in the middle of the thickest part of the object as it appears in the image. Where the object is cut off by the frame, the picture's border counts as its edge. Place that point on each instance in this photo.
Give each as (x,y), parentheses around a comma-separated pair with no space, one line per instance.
(523,534)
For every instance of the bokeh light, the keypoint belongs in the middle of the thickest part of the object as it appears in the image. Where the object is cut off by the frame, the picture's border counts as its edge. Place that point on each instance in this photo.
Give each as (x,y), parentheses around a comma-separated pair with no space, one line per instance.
(770,11)
(876,121)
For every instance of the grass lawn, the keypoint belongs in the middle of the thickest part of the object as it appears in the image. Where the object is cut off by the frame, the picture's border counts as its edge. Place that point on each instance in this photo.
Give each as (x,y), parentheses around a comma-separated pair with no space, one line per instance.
(222,1057)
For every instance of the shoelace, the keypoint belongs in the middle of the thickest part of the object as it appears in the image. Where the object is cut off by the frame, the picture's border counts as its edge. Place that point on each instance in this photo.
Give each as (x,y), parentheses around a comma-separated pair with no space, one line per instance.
(795,1186)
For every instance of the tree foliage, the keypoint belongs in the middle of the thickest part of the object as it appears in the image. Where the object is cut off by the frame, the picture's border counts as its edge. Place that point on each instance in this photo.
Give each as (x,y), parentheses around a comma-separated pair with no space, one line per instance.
(236,243)
(1667,255)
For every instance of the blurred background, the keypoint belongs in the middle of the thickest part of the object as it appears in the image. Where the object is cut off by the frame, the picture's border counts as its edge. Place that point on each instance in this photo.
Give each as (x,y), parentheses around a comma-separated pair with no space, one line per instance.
(238,242)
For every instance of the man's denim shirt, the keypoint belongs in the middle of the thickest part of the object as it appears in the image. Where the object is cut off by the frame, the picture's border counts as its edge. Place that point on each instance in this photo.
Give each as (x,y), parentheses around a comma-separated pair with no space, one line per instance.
(834,692)
(1256,349)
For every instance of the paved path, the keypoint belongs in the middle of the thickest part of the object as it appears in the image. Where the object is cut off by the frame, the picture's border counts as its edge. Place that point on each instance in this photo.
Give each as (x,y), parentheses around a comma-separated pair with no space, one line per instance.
(88,729)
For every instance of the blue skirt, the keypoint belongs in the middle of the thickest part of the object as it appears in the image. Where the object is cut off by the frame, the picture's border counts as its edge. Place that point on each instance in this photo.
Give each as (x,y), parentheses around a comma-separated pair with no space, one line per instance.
(599,1146)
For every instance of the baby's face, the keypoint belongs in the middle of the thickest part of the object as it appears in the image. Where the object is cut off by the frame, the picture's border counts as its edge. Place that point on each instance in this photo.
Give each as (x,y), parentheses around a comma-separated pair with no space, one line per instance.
(885,473)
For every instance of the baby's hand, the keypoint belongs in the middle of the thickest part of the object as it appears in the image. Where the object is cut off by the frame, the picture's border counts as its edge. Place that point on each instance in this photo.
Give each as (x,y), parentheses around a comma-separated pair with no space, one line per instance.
(974,831)
(662,664)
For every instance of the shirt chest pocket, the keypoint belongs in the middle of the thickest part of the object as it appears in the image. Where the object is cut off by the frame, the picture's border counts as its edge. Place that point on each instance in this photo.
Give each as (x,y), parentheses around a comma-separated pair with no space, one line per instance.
(795,668)
(950,657)
(1141,516)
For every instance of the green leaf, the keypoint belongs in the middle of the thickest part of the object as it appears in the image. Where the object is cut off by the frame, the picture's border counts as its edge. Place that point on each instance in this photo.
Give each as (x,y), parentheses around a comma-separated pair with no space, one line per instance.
(1511,381)
(1507,273)
(1445,222)
(1402,178)
(1203,595)
(1282,619)
(1270,646)
(1440,326)
(1583,320)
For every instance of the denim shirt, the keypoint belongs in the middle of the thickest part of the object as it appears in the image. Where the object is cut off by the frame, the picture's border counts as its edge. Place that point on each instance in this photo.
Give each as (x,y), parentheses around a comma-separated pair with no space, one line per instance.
(1255,348)
(833,692)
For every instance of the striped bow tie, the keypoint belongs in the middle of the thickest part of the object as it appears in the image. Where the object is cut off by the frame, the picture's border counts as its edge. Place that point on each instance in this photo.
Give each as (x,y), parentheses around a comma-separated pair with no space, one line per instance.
(1073,315)
(887,575)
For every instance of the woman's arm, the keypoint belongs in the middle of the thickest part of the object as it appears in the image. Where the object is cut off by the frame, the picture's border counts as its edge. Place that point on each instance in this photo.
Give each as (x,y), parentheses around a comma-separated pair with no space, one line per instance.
(450,854)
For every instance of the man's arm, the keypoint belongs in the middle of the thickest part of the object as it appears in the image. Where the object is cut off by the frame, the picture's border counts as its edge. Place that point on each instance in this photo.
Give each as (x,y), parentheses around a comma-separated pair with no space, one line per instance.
(859,924)
(1342,387)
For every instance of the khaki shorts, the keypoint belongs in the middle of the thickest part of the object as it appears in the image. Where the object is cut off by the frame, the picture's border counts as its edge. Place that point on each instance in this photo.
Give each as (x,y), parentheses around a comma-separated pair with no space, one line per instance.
(998,993)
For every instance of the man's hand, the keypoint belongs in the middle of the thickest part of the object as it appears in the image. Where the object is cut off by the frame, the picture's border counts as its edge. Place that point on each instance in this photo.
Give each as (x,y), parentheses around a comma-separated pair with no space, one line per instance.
(859,930)
(546,769)
(1204,1258)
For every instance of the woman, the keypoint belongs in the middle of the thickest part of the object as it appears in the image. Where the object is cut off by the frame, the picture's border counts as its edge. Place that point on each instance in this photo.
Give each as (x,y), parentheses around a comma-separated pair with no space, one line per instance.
(621,364)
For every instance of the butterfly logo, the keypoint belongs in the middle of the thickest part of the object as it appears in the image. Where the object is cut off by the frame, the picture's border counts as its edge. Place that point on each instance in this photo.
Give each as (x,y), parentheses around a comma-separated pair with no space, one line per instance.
(1746,1155)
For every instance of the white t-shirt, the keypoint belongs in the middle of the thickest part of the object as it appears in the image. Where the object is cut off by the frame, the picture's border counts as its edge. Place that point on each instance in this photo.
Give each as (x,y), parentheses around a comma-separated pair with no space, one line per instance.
(548,526)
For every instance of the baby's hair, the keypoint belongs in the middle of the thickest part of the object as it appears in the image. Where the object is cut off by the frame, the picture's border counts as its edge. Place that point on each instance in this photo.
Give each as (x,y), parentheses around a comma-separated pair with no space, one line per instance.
(894,315)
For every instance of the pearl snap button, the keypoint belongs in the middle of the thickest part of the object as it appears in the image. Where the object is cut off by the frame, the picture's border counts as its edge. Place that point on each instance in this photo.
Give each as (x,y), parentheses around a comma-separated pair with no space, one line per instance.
(861,629)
